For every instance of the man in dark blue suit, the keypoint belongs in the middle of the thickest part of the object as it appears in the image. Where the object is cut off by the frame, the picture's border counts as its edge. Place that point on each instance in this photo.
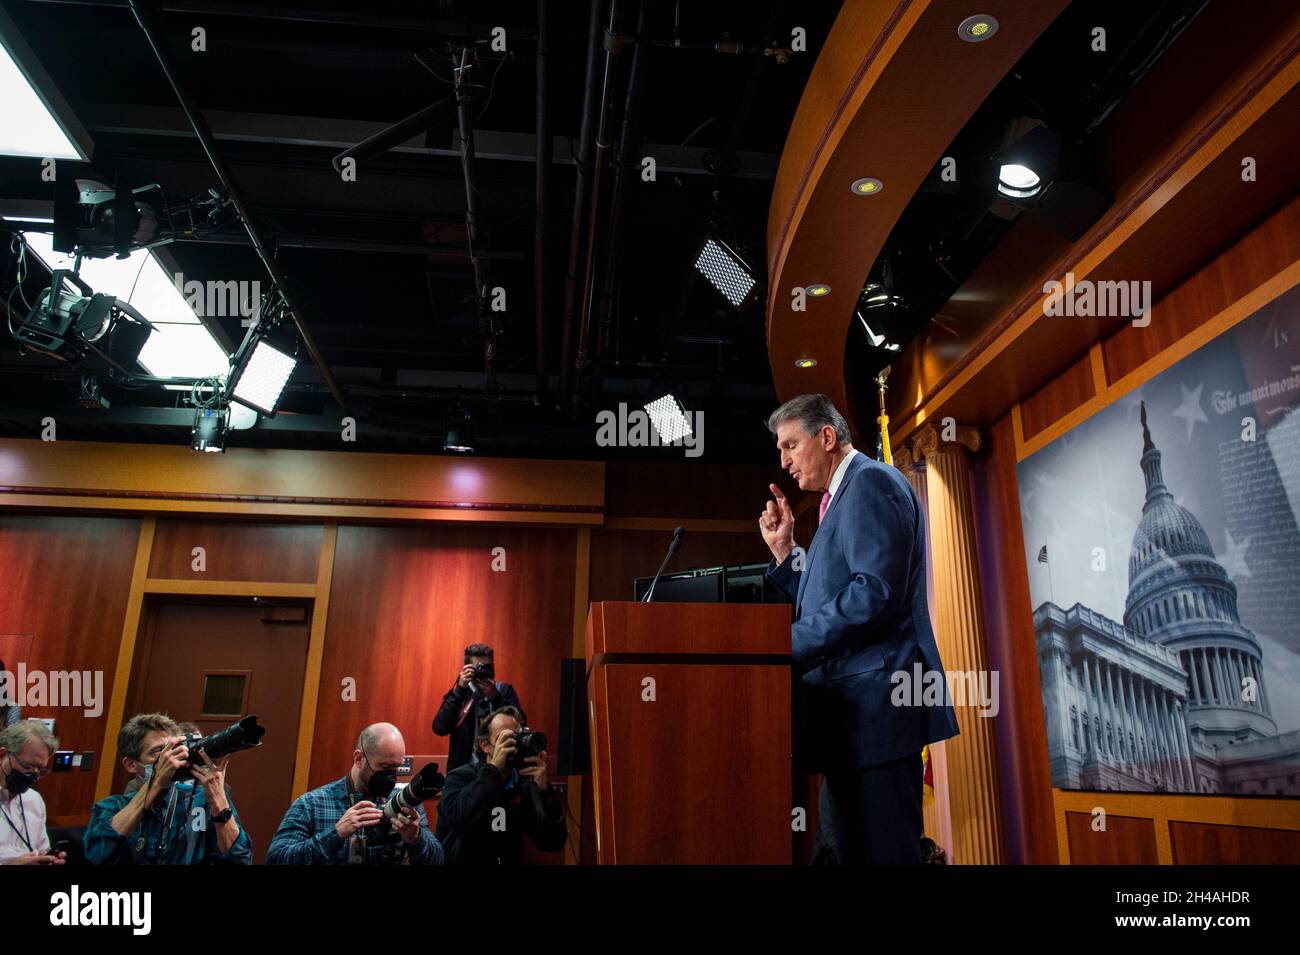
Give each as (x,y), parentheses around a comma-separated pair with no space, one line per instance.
(860,624)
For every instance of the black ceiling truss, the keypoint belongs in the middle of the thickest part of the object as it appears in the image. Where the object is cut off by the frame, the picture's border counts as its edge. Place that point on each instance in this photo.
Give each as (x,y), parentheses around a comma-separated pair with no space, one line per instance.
(388,280)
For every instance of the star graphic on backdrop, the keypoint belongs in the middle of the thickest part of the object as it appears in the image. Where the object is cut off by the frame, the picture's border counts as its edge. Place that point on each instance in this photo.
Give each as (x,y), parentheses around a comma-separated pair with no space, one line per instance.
(1190,410)
(1233,557)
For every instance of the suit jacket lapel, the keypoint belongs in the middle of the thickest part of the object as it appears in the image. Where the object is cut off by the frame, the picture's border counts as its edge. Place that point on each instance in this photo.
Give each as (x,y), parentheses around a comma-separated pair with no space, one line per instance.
(853,468)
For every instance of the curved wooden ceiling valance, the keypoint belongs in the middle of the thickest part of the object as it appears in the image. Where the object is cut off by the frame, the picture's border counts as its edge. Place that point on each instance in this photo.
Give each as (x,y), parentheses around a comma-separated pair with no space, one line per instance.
(892,87)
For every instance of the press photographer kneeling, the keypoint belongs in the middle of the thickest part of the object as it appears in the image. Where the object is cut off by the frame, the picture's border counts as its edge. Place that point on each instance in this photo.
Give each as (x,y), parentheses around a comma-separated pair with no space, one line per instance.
(182,814)
(490,804)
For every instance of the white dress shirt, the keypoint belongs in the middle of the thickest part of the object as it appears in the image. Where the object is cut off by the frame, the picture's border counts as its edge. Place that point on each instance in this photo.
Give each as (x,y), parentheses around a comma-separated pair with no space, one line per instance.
(838,476)
(23,817)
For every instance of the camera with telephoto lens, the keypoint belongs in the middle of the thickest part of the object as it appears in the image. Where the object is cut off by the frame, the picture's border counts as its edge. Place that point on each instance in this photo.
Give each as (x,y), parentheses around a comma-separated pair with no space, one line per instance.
(238,736)
(423,786)
(528,743)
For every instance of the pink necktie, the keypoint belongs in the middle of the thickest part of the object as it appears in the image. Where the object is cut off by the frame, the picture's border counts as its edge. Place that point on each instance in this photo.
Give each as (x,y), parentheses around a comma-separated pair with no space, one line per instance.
(826,502)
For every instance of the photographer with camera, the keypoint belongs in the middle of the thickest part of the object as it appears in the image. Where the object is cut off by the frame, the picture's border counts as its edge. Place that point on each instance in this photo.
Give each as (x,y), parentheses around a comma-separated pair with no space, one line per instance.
(181,815)
(359,819)
(475,696)
(25,751)
(490,804)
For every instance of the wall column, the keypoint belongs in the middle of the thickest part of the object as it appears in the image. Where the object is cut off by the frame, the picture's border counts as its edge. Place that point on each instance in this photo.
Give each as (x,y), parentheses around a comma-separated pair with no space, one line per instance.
(972,777)
(937,811)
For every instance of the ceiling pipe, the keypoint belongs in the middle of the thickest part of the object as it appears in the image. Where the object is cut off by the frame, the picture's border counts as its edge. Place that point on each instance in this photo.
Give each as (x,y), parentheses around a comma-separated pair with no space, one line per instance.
(464,108)
(539,218)
(149,24)
(613,43)
(344,244)
(580,192)
(440,30)
(398,133)
(627,161)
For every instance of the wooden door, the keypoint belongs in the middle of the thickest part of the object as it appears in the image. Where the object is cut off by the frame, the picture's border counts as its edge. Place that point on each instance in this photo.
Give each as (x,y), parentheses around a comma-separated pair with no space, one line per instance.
(211,663)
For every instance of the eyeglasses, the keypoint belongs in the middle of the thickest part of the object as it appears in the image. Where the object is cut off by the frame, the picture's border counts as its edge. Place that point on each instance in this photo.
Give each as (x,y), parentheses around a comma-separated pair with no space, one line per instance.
(24,768)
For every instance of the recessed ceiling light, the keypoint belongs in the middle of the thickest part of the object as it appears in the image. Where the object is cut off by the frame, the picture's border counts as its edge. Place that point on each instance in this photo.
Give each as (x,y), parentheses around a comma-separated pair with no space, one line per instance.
(820,290)
(978,28)
(805,362)
(867,186)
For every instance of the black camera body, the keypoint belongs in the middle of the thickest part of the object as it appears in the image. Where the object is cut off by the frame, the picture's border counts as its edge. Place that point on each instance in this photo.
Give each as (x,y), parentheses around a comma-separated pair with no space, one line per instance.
(528,743)
(482,671)
(238,736)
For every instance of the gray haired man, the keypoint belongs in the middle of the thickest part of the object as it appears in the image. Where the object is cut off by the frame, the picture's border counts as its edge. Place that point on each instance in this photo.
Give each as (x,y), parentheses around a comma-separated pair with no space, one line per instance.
(25,751)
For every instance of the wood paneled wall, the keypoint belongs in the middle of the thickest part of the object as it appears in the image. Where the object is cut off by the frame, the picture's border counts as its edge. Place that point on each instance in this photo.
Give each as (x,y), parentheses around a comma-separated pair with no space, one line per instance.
(235,550)
(395,602)
(407,601)
(64,584)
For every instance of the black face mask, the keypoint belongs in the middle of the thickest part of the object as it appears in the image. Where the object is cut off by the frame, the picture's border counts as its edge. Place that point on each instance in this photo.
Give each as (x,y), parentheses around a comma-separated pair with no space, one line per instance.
(381,783)
(18,783)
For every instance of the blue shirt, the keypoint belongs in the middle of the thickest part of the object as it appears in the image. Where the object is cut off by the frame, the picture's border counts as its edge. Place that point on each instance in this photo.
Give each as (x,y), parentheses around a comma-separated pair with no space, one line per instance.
(175,830)
(307,835)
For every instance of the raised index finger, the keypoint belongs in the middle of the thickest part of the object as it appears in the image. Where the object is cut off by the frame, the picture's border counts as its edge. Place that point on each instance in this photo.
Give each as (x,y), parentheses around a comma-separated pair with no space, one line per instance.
(777,491)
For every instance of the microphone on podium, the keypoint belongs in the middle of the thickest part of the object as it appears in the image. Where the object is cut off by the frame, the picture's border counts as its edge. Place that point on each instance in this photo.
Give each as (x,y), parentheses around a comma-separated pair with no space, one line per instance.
(672,549)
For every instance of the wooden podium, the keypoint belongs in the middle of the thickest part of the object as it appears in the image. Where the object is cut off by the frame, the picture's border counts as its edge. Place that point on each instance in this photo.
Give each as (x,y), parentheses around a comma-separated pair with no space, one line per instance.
(690,732)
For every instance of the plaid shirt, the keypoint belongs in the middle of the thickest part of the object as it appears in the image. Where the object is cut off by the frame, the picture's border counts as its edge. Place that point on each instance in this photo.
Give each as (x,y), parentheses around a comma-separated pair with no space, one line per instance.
(185,842)
(307,835)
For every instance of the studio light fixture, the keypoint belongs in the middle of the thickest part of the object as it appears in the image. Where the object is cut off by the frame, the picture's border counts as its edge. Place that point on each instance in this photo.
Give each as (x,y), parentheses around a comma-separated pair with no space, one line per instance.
(95,220)
(728,271)
(209,432)
(181,345)
(1017,181)
(259,374)
(877,340)
(70,321)
(977,28)
(1029,164)
(460,438)
(669,418)
(211,416)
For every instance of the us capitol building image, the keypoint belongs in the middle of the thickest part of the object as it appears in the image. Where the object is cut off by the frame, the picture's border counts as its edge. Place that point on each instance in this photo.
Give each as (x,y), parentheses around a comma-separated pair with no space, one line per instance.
(1172,699)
